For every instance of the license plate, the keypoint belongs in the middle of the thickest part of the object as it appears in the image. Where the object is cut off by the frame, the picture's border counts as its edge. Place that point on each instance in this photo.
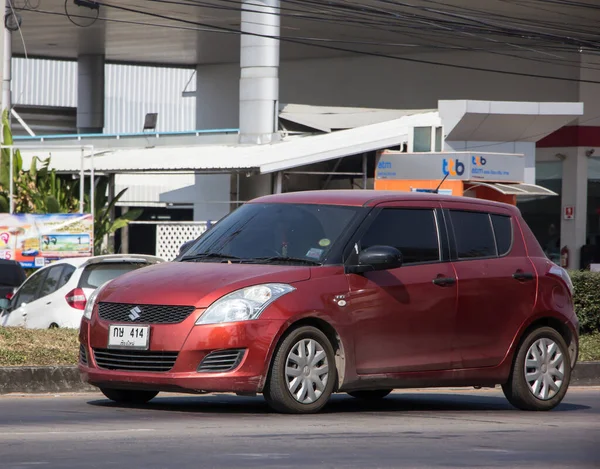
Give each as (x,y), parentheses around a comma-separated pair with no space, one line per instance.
(129,337)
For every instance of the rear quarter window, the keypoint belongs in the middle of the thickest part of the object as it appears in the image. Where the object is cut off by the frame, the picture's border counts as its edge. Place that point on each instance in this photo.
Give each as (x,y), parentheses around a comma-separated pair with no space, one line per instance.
(503,231)
(96,275)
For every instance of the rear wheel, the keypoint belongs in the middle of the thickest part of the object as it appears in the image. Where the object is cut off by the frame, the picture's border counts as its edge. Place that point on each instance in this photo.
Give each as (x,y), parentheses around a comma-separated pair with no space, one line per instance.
(370,395)
(127,396)
(303,373)
(541,371)
(53,326)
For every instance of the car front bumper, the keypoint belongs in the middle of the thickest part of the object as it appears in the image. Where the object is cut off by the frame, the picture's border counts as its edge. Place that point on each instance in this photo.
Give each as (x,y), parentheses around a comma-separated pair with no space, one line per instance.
(189,345)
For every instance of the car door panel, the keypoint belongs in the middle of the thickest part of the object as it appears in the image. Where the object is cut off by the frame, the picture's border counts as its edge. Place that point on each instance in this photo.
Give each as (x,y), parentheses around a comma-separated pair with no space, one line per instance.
(405,320)
(495,295)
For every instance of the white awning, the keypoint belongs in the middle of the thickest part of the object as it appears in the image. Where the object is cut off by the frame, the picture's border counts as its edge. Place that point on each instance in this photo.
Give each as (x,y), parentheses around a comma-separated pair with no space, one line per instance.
(529,190)
(504,121)
(326,119)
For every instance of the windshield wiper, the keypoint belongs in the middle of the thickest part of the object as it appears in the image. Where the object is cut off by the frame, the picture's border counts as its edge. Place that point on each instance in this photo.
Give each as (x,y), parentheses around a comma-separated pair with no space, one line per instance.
(298,260)
(208,255)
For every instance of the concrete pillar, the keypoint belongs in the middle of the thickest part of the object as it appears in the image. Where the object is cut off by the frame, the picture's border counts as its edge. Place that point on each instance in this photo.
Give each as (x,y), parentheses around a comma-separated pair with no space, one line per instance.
(259,63)
(212,196)
(573,233)
(217,96)
(124,234)
(90,94)
(574,194)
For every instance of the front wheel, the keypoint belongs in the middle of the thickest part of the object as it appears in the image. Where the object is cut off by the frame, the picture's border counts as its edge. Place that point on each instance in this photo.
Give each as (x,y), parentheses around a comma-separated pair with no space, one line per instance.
(541,371)
(303,373)
(127,396)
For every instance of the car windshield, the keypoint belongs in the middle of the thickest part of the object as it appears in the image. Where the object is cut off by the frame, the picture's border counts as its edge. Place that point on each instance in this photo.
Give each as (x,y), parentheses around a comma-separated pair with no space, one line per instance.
(302,233)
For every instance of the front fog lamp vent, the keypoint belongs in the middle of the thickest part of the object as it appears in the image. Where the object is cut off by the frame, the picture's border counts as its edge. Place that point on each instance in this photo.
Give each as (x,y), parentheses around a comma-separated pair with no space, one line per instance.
(221,361)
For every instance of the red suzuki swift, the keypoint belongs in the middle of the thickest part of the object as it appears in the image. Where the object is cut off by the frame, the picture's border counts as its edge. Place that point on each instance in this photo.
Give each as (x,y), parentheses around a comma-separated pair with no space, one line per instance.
(297,296)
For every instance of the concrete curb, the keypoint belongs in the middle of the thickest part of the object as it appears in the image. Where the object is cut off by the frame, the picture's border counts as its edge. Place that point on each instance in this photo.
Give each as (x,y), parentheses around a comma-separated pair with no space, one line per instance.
(50,379)
(586,374)
(41,379)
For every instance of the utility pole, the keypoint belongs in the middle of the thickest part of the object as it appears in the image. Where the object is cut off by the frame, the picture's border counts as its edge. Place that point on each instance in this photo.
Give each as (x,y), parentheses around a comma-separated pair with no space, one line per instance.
(2,51)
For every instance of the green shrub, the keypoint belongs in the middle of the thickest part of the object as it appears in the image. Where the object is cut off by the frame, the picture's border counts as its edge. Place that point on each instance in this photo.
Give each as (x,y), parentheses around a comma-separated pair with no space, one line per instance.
(587,299)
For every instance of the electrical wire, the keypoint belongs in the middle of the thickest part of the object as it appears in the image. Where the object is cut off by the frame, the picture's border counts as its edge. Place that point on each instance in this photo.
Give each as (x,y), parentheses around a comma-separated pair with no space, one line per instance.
(344,6)
(347,50)
(68,15)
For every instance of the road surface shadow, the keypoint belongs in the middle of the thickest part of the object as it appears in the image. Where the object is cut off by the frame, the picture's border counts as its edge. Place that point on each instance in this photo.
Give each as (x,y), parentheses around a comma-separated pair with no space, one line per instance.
(339,403)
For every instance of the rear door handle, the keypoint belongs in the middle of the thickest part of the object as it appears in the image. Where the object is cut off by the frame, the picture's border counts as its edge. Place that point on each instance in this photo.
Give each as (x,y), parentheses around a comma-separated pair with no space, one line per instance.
(444,281)
(523,276)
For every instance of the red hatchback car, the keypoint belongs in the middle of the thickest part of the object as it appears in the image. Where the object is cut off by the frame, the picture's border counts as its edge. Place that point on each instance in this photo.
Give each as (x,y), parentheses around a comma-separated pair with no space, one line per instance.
(300,295)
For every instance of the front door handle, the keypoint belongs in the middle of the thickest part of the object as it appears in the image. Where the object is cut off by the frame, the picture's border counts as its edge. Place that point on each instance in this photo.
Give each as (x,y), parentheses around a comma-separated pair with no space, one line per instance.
(444,281)
(523,276)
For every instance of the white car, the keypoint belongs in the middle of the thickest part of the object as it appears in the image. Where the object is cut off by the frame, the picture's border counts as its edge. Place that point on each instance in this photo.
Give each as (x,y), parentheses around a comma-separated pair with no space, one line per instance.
(55,296)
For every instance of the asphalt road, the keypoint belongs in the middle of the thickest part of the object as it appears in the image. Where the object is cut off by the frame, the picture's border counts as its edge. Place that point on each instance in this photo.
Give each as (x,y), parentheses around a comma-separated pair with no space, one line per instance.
(435,428)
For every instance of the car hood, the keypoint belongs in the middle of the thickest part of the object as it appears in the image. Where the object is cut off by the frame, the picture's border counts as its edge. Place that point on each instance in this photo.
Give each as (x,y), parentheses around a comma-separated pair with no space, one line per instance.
(194,283)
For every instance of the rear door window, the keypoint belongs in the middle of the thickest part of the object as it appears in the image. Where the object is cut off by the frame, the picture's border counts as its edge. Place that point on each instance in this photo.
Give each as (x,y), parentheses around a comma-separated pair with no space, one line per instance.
(51,281)
(474,234)
(412,231)
(96,275)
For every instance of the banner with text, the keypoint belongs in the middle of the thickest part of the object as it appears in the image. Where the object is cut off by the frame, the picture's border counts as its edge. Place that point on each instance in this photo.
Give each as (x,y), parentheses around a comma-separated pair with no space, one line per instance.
(38,240)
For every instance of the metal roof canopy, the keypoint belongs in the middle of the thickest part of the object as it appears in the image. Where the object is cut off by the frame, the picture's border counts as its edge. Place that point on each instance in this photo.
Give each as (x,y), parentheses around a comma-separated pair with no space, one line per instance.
(519,189)
(504,121)
(281,156)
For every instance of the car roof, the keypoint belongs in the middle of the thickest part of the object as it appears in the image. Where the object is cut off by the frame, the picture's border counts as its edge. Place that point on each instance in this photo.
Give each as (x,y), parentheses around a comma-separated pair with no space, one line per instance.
(368,198)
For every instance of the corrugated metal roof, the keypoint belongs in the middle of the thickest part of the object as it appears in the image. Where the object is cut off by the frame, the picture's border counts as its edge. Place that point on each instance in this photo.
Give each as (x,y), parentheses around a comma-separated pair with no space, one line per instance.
(290,153)
(131,91)
(39,82)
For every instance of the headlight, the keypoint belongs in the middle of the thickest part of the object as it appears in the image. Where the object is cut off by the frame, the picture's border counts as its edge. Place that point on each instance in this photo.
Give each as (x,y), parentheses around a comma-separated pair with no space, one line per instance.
(89,305)
(243,305)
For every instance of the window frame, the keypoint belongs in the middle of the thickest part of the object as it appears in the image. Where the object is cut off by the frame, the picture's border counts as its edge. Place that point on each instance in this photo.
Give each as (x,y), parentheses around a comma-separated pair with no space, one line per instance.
(453,239)
(439,221)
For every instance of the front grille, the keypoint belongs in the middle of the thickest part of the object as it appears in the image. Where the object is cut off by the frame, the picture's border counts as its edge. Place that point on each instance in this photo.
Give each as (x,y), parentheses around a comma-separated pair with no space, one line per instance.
(135,360)
(221,361)
(148,314)
(83,355)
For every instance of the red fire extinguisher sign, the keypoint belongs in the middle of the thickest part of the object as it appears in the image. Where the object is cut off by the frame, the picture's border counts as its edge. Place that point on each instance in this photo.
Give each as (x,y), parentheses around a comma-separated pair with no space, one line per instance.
(569,213)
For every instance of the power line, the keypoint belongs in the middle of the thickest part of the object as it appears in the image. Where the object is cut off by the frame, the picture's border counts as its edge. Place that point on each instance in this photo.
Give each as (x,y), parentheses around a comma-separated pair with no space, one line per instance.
(327,43)
(347,50)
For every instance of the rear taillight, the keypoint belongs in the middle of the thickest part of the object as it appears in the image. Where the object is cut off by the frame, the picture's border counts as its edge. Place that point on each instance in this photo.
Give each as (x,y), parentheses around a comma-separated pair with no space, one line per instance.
(76,299)
(562,274)
(9,296)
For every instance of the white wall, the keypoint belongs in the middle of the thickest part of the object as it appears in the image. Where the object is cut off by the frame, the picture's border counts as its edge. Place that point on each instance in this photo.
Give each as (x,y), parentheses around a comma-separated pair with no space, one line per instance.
(386,83)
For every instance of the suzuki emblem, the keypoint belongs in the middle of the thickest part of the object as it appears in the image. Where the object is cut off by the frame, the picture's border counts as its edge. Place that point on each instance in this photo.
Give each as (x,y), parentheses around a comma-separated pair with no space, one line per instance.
(134,313)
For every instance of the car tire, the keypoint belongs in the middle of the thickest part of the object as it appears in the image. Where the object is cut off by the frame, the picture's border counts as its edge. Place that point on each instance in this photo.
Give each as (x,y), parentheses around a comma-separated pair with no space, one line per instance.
(373,395)
(541,365)
(127,396)
(296,384)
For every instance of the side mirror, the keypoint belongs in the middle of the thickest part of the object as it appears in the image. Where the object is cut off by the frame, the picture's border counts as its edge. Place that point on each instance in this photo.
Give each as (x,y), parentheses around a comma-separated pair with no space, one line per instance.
(4,303)
(378,258)
(185,246)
